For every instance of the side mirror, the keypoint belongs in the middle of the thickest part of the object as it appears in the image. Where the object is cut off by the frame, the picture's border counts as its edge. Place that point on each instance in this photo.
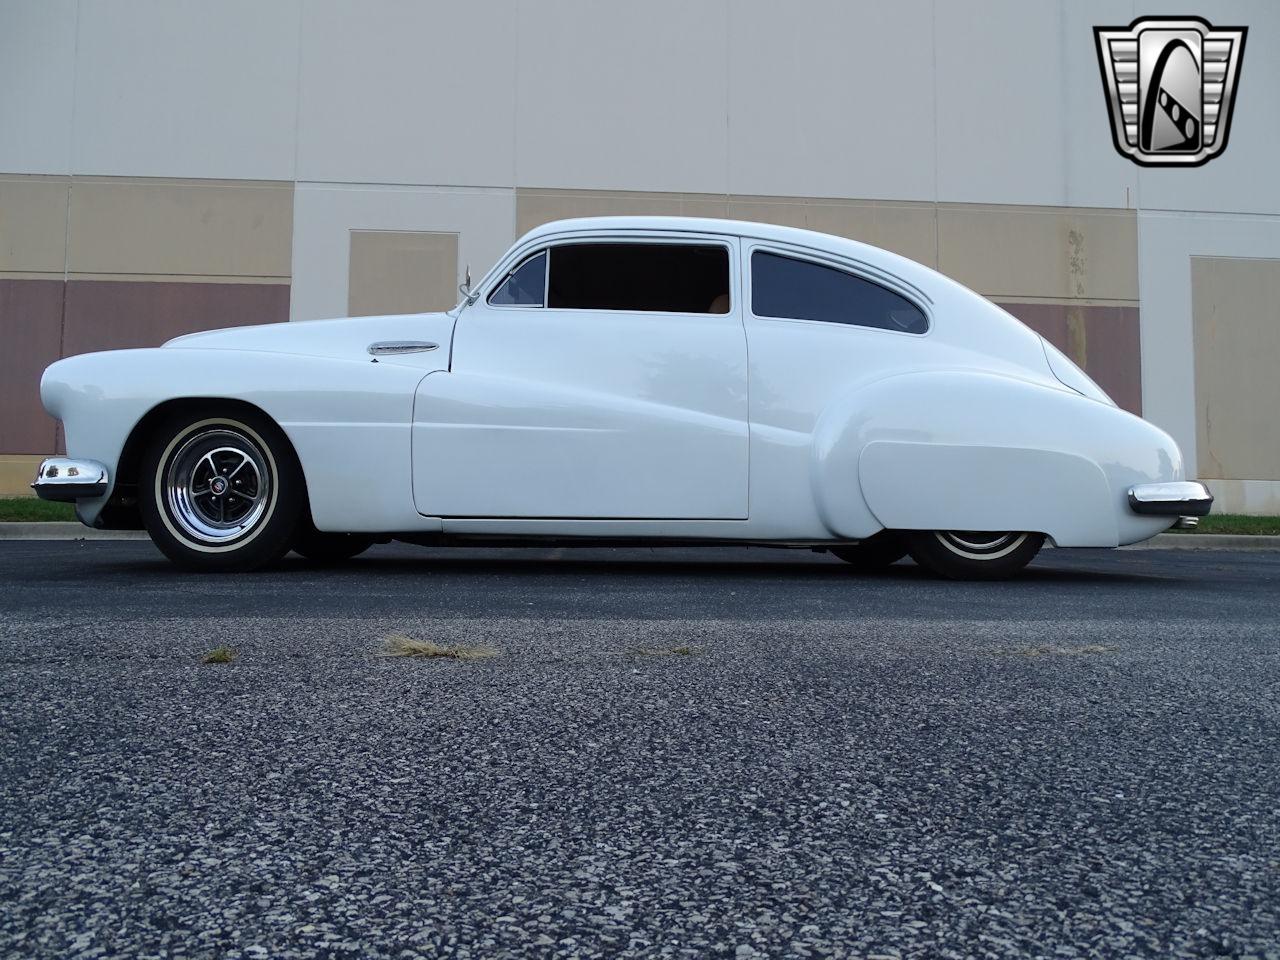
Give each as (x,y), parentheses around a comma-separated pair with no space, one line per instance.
(465,288)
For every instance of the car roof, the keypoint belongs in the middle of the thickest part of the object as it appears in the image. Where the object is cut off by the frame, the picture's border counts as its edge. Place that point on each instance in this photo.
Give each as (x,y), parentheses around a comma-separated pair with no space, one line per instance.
(907,269)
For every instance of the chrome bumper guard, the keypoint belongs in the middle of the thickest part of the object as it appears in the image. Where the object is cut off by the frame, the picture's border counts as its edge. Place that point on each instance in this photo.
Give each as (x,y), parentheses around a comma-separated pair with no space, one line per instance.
(1182,498)
(60,478)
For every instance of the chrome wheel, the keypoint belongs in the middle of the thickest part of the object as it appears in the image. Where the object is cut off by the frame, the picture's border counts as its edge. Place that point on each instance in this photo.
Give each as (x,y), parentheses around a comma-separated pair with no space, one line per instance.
(217,485)
(973,545)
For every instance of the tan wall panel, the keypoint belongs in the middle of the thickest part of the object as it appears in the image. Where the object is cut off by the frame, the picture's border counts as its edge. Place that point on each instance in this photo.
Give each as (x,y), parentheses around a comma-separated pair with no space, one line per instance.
(402,272)
(1236,321)
(908,229)
(181,227)
(536,207)
(905,228)
(16,474)
(33,224)
(1004,251)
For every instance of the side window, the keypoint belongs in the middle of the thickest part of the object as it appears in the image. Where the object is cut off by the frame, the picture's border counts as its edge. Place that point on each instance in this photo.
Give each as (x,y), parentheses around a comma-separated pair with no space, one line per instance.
(525,285)
(792,289)
(658,277)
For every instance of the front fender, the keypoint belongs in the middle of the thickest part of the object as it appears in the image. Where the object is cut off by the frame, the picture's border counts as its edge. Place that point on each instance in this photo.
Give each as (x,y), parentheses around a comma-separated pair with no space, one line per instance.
(970,450)
(349,421)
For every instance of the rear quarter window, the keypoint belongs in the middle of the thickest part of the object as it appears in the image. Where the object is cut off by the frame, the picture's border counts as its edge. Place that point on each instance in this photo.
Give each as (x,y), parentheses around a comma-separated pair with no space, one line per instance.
(789,288)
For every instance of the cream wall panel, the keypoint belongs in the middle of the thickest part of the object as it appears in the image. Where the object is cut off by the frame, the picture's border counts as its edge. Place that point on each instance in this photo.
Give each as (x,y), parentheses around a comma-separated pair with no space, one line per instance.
(1243,178)
(1012,251)
(33,224)
(401,272)
(1001,133)
(622,95)
(850,115)
(1236,316)
(401,92)
(37,71)
(325,215)
(1095,175)
(187,88)
(180,227)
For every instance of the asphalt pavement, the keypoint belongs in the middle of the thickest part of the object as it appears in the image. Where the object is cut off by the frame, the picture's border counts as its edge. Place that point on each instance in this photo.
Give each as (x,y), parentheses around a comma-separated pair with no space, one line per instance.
(693,752)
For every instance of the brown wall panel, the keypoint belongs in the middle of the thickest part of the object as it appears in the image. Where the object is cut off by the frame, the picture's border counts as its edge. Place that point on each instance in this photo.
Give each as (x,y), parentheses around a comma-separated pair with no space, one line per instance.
(31,334)
(114,314)
(1103,340)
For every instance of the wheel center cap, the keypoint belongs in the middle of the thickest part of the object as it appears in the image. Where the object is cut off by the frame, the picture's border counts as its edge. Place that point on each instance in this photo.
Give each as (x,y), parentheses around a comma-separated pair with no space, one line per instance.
(218,486)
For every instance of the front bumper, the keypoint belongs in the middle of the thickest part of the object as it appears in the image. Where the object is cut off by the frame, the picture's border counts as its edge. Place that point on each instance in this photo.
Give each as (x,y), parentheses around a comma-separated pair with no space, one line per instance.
(1181,498)
(60,478)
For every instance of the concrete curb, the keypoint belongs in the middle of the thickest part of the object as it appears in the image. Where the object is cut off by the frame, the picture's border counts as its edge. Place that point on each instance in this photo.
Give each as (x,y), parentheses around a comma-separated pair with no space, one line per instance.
(1208,541)
(1166,541)
(64,531)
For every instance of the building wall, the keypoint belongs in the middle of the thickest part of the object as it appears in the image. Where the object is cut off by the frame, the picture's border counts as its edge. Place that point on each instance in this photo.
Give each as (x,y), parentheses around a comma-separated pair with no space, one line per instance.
(170,165)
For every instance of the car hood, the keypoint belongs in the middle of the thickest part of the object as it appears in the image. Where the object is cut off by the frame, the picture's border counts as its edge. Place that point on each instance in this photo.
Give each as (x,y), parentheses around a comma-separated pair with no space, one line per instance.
(346,338)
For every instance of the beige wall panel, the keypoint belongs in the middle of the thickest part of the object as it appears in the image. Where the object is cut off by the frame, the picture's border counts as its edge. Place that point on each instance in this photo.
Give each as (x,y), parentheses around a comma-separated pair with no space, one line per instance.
(909,229)
(1009,251)
(326,214)
(905,228)
(181,227)
(401,272)
(16,474)
(536,207)
(1255,497)
(1236,319)
(33,224)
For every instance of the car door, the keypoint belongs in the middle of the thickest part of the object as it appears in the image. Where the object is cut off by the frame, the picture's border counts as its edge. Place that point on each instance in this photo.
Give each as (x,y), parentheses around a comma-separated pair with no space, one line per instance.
(597,378)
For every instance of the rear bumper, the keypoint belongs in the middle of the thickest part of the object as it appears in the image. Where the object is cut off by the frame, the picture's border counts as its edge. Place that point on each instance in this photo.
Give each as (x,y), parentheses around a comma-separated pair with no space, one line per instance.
(61,478)
(1182,498)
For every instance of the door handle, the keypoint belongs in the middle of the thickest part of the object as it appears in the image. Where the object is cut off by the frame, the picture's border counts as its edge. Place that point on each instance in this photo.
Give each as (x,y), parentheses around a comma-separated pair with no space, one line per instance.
(386,348)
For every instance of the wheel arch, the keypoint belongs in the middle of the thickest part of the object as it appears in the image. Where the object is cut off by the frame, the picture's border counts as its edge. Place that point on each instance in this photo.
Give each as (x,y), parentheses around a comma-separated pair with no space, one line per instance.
(123,505)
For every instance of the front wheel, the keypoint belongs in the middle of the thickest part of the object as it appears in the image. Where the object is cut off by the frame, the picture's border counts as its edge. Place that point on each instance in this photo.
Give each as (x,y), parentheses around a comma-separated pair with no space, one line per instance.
(221,492)
(973,555)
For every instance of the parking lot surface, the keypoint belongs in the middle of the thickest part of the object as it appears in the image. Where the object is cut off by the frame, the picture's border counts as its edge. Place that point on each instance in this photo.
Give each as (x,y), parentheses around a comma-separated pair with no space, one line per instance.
(681,752)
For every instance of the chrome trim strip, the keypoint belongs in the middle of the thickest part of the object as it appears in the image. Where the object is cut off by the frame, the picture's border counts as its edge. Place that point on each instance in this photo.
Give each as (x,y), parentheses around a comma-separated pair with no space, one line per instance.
(65,479)
(1174,499)
(384,348)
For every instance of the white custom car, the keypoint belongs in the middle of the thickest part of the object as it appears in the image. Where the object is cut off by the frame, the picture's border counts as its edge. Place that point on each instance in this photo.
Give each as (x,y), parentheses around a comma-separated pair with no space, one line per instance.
(644,380)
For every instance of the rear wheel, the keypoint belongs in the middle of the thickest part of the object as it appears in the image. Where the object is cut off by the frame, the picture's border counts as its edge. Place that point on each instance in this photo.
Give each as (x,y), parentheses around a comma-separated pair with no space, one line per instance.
(221,492)
(973,555)
(873,553)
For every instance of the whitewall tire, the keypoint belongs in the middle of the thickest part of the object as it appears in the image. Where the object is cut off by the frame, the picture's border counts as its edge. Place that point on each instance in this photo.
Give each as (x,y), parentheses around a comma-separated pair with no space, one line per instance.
(221,492)
(973,555)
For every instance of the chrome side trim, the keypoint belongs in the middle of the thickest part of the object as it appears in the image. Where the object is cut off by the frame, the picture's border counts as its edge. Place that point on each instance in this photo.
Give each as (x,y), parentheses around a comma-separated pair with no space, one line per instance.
(1175,499)
(384,348)
(64,479)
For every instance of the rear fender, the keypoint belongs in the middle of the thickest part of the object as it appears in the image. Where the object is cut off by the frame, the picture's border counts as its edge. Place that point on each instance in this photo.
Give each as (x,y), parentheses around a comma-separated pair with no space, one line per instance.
(970,450)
